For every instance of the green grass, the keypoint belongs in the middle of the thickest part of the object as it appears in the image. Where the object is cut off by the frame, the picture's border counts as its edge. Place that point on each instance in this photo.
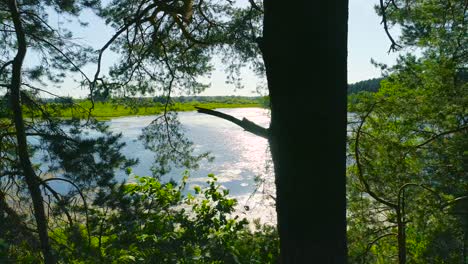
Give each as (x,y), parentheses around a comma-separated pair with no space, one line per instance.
(106,110)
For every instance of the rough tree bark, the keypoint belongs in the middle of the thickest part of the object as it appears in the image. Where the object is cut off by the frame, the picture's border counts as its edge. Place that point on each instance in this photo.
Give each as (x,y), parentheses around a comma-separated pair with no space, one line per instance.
(22,147)
(304,47)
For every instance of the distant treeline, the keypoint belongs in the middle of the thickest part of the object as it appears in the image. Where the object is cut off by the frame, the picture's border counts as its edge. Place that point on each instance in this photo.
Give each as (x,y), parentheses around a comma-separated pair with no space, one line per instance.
(371,85)
(212,99)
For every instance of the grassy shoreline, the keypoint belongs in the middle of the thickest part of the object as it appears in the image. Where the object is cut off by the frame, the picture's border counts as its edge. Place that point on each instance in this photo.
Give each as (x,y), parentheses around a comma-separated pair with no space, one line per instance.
(106,110)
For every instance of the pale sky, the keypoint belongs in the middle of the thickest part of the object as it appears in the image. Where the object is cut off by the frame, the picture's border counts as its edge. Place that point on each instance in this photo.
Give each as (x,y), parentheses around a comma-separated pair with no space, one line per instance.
(366,40)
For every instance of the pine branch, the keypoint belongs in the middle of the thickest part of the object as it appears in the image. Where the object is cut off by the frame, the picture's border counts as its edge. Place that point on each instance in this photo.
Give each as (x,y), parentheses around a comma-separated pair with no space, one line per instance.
(244,123)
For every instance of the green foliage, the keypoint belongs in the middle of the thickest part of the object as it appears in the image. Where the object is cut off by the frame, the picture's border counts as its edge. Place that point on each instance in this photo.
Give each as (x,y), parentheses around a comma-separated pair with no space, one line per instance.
(152,222)
(407,164)
(164,47)
(409,133)
(407,145)
(434,26)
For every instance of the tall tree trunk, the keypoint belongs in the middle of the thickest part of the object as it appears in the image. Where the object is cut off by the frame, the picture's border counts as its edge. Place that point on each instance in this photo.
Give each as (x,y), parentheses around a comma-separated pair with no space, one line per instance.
(304,47)
(401,237)
(401,225)
(465,238)
(22,146)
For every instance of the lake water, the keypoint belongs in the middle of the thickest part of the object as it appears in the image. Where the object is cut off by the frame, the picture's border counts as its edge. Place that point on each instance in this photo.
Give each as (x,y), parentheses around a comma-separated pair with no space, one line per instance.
(239,156)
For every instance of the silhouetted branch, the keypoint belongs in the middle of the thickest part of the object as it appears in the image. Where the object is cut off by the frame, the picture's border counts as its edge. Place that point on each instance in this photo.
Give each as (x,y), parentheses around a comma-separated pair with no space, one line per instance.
(136,19)
(168,98)
(244,123)
(454,201)
(440,135)
(31,178)
(186,33)
(85,204)
(53,94)
(359,165)
(255,6)
(43,135)
(57,49)
(5,65)
(202,13)
(19,225)
(369,246)
(394,46)
(402,188)
(57,197)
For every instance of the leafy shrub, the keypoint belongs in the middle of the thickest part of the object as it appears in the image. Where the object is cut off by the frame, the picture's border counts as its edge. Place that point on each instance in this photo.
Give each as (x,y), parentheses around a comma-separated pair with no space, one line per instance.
(153,222)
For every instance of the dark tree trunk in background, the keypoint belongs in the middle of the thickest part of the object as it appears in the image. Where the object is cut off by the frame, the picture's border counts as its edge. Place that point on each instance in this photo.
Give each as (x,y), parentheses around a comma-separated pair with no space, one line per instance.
(401,237)
(465,238)
(31,178)
(305,51)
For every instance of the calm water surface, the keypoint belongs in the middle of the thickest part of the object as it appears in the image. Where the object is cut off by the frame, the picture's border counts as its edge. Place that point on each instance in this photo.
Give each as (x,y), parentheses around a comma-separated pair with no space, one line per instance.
(239,155)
